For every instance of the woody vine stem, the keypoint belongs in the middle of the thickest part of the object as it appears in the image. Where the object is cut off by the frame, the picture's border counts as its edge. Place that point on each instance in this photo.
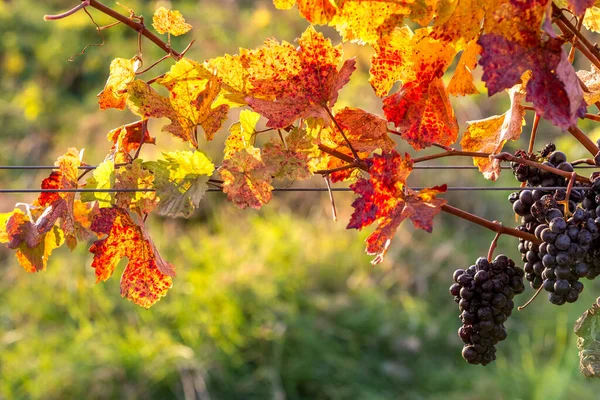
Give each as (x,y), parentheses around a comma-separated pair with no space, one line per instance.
(569,32)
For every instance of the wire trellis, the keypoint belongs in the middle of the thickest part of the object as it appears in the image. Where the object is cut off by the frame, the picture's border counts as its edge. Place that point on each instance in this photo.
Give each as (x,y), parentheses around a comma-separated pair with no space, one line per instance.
(286,189)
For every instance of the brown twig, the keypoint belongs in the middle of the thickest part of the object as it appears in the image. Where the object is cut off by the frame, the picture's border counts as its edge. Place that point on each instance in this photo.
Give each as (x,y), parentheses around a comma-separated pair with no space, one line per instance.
(509,157)
(343,156)
(569,30)
(536,122)
(153,65)
(138,27)
(331,199)
(332,170)
(451,153)
(66,14)
(571,57)
(584,140)
(493,226)
(493,246)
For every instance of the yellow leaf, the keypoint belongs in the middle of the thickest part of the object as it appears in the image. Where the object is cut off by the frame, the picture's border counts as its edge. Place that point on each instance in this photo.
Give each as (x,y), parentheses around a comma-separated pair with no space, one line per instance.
(461,83)
(172,22)
(122,71)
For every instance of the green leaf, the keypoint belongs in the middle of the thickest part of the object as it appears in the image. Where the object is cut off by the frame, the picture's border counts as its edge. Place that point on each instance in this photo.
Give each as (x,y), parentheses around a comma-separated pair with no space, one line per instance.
(241,133)
(103,177)
(587,329)
(180,181)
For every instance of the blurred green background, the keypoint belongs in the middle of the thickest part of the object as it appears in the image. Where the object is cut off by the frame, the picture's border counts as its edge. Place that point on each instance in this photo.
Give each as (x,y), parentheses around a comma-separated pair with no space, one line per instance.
(277,304)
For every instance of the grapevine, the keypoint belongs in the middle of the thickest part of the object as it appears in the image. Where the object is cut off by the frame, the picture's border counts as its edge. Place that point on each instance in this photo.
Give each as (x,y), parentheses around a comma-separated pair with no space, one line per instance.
(520,48)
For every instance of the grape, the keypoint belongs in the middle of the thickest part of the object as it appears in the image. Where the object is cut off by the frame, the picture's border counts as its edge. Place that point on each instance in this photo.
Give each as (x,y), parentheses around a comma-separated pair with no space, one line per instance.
(484,293)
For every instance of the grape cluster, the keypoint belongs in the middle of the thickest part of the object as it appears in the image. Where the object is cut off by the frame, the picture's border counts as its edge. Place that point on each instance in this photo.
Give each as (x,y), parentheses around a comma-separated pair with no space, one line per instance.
(565,244)
(484,294)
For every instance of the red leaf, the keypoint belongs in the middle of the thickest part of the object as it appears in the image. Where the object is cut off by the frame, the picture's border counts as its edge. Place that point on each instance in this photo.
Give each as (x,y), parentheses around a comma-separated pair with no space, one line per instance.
(147,277)
(384,199)
(423,114)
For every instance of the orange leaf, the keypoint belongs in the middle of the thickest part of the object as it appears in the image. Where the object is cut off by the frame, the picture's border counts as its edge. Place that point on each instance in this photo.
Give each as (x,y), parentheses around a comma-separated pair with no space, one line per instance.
(147,277)
(122,71)
(462,22)
(315,11)
(489,135)
(247,179)
(33,248)
(384,199)
(423,114)
(133,176)
(461,83)
(167,21)
(125,139)
(365,131)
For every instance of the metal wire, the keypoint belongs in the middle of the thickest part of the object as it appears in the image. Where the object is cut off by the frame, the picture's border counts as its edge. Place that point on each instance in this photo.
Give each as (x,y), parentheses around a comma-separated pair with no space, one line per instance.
(291,189)
(88,167)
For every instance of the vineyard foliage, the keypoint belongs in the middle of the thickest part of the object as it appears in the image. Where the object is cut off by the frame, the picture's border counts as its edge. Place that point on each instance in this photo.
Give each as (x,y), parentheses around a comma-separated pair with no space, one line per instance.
(293,88)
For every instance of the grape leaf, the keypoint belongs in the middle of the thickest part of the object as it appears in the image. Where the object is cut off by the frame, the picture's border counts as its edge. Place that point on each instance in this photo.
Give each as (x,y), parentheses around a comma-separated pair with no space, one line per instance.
(59,205)
(587,330)
(408,57)
(122,71)
(306,93)
(592,19)
(172,22)
(579,7)
(315,11)
(33,248)
(423,114)
(192,92)
(461,83)
(365,131)
(289,161)
(382,17)
(103,177)
(180,181)
(462,22)
(125,139)
(489,135)
(241,134)
(247,179)
(385,199)
(591,79)
(134,176)
(147,277)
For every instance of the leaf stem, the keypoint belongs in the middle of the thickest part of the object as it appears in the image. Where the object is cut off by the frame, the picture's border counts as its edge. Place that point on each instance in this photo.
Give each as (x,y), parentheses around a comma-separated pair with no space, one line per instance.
(592,117)
(354,153)
(536,122)
(531,299)
(584,140)
(582,44)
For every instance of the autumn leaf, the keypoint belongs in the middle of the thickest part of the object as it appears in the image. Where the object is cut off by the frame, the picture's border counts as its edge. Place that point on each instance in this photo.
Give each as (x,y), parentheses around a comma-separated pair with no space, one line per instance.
(382,17)
(247,179)
(172,22)
(579,7)
(408,57)
(180,181)
(241,134)
(489,135)
(134,177)
(192,91)
(289,160)
(33,248)
(103,177)
(462,22)
(385,199)
(592,19)
(315,11)
(122,72)
(365,131)
(423,114)
(512,46)
(461,83)
(126,139)
(147,277)
(301,94)
(591,79)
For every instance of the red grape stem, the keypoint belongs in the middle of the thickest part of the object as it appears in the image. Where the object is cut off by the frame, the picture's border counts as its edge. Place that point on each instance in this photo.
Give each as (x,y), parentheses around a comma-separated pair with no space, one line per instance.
(72,11)
(509,157)
(531,299)
(451,153)
(536,122)
(566,200)
(494,244)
